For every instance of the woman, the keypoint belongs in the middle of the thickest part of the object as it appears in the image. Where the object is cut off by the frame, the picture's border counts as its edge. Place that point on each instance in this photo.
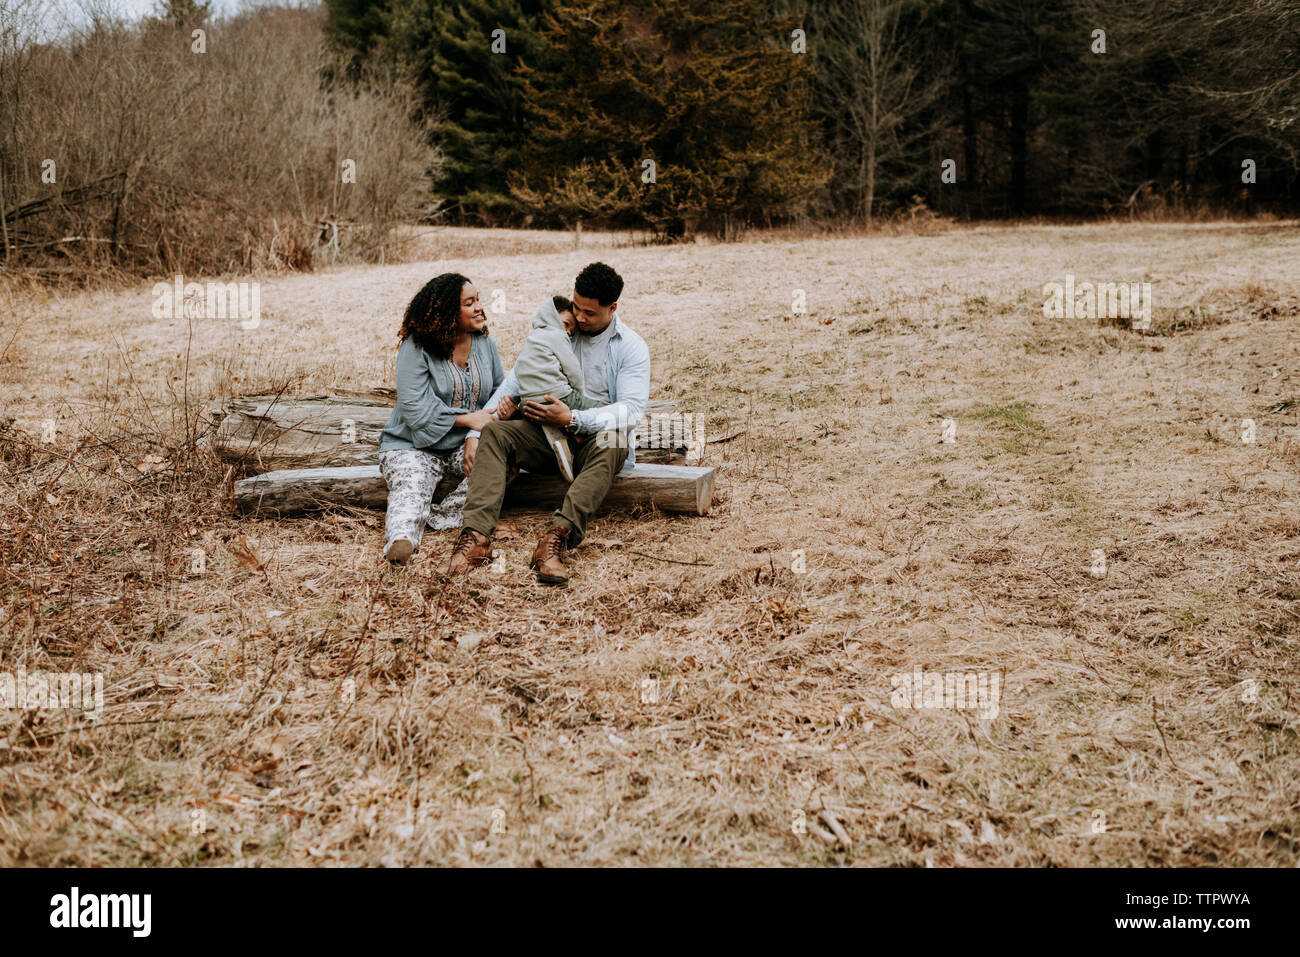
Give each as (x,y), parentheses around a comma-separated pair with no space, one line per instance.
(447,369)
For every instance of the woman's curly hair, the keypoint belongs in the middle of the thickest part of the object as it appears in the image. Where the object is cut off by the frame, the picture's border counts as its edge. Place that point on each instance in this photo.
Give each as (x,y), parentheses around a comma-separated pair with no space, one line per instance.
(432,317)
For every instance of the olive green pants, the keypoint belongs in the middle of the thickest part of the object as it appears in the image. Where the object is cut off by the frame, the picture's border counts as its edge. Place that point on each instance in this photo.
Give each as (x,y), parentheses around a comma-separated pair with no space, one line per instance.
(522,443)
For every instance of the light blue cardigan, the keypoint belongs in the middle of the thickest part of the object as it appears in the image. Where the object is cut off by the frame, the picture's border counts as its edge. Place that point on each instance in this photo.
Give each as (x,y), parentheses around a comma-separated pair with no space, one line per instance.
(424,417)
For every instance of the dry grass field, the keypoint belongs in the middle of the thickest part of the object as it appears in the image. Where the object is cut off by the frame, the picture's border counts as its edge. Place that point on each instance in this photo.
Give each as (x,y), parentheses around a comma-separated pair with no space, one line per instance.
(1147,716)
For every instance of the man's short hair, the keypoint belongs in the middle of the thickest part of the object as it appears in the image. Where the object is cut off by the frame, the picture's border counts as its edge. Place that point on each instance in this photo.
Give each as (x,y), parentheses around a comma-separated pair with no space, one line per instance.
(600,282)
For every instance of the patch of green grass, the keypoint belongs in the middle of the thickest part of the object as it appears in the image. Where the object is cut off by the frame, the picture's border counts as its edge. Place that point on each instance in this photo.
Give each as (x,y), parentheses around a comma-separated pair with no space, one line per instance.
(1017,414)
(954,495)
(1021,432)
(1061,492)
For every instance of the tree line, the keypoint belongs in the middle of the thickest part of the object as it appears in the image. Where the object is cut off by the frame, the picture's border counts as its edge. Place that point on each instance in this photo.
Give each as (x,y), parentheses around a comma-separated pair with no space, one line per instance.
(286,137)
(683,115)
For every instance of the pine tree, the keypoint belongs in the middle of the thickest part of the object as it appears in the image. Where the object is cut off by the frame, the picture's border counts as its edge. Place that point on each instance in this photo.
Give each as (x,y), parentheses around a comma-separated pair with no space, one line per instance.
(1186,90)
(708,91)
(466,58)
(355,27)
(1011,47)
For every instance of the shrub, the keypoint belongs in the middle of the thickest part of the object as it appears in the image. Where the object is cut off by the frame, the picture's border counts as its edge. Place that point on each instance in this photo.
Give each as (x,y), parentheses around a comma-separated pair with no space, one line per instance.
(167,157)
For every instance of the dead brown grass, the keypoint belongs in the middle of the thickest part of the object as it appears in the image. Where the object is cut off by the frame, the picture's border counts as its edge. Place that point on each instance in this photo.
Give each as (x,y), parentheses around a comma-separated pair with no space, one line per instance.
(1124,738)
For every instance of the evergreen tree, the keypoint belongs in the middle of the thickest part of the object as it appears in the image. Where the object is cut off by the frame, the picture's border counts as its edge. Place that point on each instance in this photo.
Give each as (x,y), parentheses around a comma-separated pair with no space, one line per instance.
(355,27)
(1186,90)
(466,58)
(1008,47)
(708,91)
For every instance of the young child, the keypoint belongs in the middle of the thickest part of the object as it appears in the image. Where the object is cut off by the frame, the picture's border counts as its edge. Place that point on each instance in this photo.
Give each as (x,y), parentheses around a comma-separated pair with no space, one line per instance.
(547,365)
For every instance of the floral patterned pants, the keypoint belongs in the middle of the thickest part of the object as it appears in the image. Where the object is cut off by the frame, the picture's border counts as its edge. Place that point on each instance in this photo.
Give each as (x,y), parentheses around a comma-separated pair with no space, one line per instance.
(412,475)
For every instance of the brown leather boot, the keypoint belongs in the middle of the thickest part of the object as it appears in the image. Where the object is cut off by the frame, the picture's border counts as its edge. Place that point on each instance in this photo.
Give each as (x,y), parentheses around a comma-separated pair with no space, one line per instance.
(548,556)
(471,549)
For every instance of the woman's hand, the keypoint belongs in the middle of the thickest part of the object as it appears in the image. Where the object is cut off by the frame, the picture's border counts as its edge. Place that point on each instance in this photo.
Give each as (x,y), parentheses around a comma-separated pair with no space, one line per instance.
(471,450)
(506,407)
(474,420)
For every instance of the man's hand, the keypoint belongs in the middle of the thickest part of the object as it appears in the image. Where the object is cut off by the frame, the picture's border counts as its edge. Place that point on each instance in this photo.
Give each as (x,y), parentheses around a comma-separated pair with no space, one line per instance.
(471,450)
(551,412)
(506,407)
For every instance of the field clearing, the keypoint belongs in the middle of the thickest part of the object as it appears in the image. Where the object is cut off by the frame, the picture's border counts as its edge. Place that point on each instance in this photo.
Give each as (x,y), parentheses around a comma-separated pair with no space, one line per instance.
(1147,716)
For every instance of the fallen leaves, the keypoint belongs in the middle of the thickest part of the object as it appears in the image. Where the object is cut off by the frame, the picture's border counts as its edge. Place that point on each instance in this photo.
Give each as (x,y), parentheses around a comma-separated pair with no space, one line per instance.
(151,463)
(245,554)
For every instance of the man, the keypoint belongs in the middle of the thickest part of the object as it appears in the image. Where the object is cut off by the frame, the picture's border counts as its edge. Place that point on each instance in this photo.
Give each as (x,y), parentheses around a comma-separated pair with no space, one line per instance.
(616,372)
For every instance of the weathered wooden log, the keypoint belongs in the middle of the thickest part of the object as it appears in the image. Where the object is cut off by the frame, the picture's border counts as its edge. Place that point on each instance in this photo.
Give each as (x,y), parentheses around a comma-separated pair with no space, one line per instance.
(304,490)
(672,488)
(264,432)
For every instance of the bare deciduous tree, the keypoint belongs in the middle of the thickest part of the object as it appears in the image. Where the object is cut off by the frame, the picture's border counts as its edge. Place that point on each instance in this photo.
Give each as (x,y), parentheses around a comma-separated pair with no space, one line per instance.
(122,148)
(880,90)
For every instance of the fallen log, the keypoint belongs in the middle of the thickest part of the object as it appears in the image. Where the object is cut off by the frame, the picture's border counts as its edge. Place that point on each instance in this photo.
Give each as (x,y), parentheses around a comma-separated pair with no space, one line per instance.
(672,488)
(265,432)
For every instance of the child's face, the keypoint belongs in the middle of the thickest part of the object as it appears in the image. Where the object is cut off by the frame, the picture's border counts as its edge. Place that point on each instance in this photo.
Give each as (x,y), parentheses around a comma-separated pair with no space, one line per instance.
(570,323)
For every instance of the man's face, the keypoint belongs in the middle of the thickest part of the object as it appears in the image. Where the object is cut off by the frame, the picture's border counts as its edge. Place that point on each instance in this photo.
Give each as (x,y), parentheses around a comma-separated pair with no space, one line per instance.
(591,316)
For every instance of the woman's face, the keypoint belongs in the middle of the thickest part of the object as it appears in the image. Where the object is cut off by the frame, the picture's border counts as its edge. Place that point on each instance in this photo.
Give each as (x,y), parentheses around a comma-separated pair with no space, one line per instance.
(472,318)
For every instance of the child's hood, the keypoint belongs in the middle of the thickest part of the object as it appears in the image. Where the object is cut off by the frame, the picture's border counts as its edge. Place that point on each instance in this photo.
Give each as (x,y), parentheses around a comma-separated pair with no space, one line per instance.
(548,318)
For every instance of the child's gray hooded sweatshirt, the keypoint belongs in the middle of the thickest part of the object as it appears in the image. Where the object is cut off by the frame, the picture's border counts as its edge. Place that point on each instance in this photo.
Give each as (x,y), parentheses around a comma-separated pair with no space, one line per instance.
(546,364)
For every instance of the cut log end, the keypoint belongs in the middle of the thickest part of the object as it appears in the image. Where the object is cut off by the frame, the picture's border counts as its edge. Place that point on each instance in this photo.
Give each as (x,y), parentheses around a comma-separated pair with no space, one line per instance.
(704,499)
